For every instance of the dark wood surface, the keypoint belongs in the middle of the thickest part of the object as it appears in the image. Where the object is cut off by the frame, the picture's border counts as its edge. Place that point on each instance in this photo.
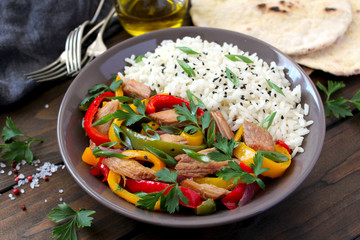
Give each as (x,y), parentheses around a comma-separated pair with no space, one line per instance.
(325,206)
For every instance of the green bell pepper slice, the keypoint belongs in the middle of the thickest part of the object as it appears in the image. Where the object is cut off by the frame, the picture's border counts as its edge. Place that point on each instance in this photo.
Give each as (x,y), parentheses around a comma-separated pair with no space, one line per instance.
(138,141)
(206,207)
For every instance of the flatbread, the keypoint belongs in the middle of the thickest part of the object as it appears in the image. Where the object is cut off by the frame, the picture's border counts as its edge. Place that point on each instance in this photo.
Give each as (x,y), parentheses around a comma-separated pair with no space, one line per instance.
(294,27)
(343,57)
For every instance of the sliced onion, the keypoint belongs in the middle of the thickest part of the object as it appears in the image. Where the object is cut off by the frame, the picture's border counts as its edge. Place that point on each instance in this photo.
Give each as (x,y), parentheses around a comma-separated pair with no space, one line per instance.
(249,193)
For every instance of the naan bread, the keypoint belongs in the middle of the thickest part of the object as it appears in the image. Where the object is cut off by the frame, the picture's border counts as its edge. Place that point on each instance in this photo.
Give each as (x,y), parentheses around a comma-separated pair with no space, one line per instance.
(343,57)
(294,27)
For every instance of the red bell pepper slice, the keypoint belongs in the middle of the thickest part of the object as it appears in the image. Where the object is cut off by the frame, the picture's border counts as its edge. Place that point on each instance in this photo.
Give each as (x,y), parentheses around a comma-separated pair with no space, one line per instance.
(161,102)
(101,169)
(95,136)
(246,168)
(144,186)
(232,199)
(151,187)
(281,143)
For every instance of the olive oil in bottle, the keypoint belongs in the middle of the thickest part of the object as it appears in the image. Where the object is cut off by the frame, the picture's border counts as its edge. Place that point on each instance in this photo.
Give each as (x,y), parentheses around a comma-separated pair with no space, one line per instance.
(141,16)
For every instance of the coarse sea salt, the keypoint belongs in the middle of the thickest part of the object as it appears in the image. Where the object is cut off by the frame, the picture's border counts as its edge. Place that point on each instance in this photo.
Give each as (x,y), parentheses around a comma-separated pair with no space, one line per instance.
(3,165)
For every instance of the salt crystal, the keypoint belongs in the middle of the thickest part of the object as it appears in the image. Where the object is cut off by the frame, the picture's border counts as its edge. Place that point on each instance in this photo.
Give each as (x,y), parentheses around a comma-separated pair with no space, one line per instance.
(3,165)
(45,200)
(21,176)
(63,166)
(11,196)
(23,162)
(60,199)
(61,190)
(10,172)
(46,106)
(22,190)
(2,171)
(17,167)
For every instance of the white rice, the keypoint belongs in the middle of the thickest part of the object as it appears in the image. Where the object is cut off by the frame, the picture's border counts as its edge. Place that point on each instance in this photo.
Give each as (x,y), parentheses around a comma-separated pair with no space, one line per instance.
(253,100)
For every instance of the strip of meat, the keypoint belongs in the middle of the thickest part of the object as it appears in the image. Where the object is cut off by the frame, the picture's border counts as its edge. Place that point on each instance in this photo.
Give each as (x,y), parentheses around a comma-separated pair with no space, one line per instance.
(190,167)
(136,89)
(257,137)
(129,168)
(222,125)
(166,117)
(206,191)
(109,108)
(166,137)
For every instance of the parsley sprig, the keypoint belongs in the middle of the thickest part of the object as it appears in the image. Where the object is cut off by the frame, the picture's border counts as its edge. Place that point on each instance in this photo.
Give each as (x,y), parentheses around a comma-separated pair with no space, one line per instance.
(126,113)
(207,126)
(96,91)
(169,202)
(79,218)
(234,171)
(338,106)
(225,148)
(15,149)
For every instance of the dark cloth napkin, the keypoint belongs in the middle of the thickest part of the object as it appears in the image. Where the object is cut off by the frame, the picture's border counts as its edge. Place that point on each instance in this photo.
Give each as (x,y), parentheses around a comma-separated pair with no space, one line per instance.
(32,35)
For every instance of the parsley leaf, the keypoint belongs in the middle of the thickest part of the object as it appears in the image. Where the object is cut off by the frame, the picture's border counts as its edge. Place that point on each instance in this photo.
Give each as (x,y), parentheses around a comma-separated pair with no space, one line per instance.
(13,148)
(170,201)
(338,106)
(81,218)
(96,91)
(225,148)
(234,171)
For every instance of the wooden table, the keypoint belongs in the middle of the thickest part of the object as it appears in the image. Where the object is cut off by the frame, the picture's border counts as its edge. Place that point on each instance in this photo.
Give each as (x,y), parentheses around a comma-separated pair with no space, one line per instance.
(325,206)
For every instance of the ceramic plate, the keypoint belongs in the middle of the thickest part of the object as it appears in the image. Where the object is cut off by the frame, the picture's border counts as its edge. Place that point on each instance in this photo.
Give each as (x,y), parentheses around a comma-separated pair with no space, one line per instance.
(72,139)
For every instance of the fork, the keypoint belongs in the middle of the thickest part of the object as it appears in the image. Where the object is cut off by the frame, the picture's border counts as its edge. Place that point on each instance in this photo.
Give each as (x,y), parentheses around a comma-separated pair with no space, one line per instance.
(56,69)
(98,46)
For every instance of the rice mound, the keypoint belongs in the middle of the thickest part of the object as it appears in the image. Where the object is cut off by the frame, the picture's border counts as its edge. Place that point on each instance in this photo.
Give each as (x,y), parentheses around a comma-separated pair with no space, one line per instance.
(253,100)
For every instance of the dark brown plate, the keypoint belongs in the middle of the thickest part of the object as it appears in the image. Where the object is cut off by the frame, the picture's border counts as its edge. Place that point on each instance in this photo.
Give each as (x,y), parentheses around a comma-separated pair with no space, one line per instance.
(72,139)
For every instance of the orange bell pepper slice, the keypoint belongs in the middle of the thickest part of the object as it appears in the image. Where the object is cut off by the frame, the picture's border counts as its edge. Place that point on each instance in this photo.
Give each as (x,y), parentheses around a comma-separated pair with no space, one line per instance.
(195,139)
(89,157)
(145,156)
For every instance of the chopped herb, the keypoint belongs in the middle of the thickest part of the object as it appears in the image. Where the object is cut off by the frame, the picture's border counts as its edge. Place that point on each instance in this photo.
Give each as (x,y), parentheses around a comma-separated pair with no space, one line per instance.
(234,171)
(269,119)
(16,149)
(150,131)
(337,106)
(235,58)
(187,50)
(103,153)
(275,87)
(197,156)
(124,140)
(139,58)
(186,68)
(170,201)
(171,130)
(96,91)
(274,156)
(225,148)
(232,77)
(194,98)
(68,230)
(163,156)
(121,98)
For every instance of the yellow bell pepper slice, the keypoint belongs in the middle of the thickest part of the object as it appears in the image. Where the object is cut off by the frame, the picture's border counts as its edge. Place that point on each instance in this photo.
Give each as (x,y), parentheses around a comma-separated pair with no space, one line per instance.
(238,134)
(114,180)
(112,135)
(151,124)
(221,183)
(276,169)
(195,139)
(119,92)
(145,156)
(89,157)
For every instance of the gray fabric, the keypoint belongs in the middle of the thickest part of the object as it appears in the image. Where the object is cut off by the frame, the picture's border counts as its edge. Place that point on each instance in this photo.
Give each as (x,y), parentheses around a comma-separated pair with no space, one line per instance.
(32,35)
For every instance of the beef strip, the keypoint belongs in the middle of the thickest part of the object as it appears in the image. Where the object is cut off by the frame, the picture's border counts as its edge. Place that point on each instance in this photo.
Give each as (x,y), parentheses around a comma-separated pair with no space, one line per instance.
(257,137)
(136,89)
(206,191)
(166,117)
(190,167)
(109,108)
(129,168)
(166,137)
(221,124)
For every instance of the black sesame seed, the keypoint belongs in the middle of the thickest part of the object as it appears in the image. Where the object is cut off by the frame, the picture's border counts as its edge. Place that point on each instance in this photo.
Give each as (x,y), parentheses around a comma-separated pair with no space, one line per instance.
(173,149)
(145,157)
(282,117)
(216,87)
